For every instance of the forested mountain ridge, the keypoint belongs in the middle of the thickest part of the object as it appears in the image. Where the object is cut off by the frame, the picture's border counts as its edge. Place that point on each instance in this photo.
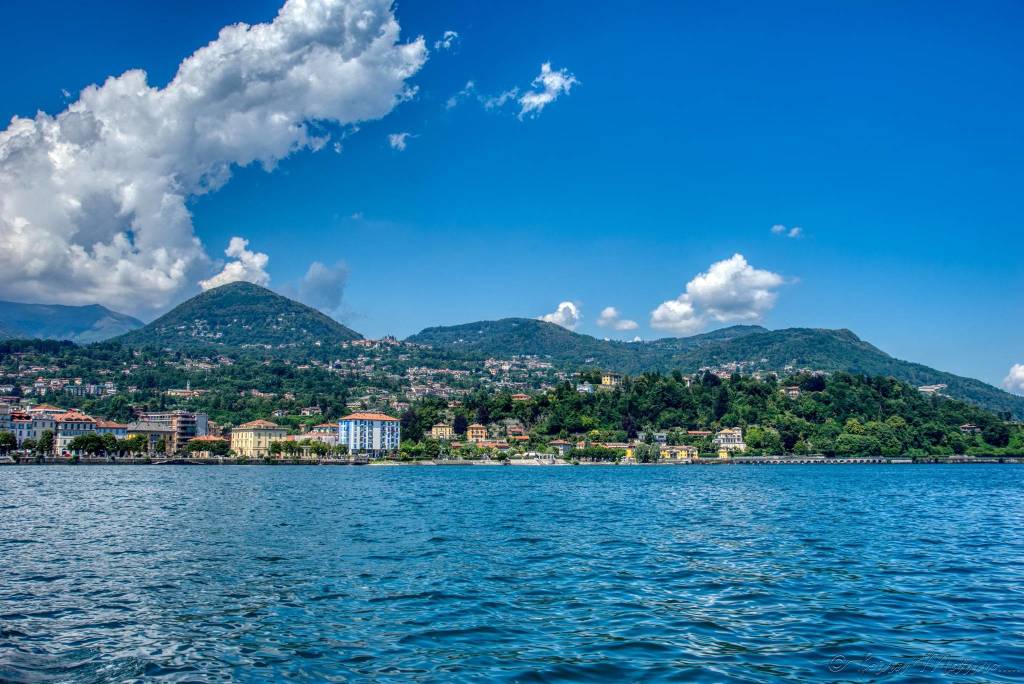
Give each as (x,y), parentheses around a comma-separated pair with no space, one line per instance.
(81,324)
(754,347)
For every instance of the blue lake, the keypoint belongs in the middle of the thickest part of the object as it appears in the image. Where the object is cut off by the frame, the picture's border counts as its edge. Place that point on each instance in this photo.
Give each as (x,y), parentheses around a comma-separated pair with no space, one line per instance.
(859,573)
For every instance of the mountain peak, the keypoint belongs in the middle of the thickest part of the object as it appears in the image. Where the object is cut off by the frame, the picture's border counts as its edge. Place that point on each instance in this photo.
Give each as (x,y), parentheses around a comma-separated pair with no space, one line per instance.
(241,315)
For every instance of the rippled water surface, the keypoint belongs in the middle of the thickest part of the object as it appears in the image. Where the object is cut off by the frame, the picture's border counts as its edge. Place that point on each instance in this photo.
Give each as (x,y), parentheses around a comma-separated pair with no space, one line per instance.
(892,573)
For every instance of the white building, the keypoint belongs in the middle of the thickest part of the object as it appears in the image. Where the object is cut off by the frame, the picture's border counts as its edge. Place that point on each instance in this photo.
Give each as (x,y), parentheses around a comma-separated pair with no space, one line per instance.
(68,426)
(365,432)
(730,439)
(324,432)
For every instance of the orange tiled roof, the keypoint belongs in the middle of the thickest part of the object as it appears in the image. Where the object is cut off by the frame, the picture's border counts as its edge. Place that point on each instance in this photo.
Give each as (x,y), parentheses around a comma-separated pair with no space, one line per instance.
(45,407)
(73,417)
(369,415)
(110,425)
(207,438)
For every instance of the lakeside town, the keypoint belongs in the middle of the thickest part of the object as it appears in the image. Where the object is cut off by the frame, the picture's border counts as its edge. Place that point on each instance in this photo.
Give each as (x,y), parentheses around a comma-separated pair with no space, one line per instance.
(368,429)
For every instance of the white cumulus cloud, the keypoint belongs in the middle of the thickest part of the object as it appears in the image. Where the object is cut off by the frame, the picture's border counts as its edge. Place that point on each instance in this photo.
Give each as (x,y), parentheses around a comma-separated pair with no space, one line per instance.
(1014,380)
(94,200)
(729,291)
(248,266)
(398,141)
(611,318)
(548,86)
(567,315)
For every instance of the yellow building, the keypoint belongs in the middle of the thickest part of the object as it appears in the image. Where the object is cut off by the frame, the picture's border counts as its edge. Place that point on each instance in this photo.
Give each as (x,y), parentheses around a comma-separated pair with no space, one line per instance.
(476,433)
(442,432)
(678,453)
(611,379)
(252,440)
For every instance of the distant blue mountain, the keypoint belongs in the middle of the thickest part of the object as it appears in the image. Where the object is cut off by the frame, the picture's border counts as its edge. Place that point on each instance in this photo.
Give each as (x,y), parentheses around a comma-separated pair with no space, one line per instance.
(81,324)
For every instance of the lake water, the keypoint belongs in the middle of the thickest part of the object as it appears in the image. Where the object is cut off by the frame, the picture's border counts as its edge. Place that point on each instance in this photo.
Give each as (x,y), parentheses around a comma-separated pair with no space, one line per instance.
(886,573)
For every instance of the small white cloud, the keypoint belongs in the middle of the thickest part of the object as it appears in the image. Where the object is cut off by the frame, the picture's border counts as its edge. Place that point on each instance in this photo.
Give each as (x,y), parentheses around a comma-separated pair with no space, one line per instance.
(447,41)
(638,339)
(729,291)
(357,216)
(454,100)
(794,232)
(1014,380)
(548,86)
(567,315)
(610,318)
(248,266)
(499,100)
(398,141)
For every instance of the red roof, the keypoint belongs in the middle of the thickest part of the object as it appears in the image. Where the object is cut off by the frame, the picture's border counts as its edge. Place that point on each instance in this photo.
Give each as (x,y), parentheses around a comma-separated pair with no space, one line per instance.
(369,415)
(74,417)
(207,438)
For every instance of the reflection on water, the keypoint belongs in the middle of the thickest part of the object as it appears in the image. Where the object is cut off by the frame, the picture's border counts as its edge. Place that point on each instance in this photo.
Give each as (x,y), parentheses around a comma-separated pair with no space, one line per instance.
(525,574)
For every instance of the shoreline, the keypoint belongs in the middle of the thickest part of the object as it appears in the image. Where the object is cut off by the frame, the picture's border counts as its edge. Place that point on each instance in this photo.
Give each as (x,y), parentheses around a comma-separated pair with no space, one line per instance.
(532,463)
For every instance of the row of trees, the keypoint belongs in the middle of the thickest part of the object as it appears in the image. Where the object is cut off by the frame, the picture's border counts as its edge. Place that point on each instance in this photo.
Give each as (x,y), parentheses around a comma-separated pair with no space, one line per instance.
(314,446)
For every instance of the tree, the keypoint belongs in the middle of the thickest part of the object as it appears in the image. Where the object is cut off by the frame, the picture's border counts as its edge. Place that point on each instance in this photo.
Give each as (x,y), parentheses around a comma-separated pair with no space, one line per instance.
(214,447)
(8,442)
(135,444)
(161,445)
(45,443)
(109,442)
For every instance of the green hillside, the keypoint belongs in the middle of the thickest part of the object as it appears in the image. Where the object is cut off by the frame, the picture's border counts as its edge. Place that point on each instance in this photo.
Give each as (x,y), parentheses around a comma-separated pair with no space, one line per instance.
(759,348)
(241,316)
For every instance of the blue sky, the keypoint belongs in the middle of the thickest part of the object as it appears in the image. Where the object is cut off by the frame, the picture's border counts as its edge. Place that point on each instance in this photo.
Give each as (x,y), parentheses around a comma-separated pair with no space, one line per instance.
(891,135)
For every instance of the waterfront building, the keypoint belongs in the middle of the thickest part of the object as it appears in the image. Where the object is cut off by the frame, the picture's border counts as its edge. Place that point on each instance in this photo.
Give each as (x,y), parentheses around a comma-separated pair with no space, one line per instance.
(442,431)
(184,425)
(681,452)
(369,432)
(153,432)
(561,446)
(729,440)
(105,427)
(252,439)
(25,425)
(476,433)
(324,432)
(68,426)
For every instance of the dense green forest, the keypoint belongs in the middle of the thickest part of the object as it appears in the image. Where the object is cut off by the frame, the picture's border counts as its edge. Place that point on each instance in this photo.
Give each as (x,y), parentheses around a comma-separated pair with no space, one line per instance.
(842,414)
